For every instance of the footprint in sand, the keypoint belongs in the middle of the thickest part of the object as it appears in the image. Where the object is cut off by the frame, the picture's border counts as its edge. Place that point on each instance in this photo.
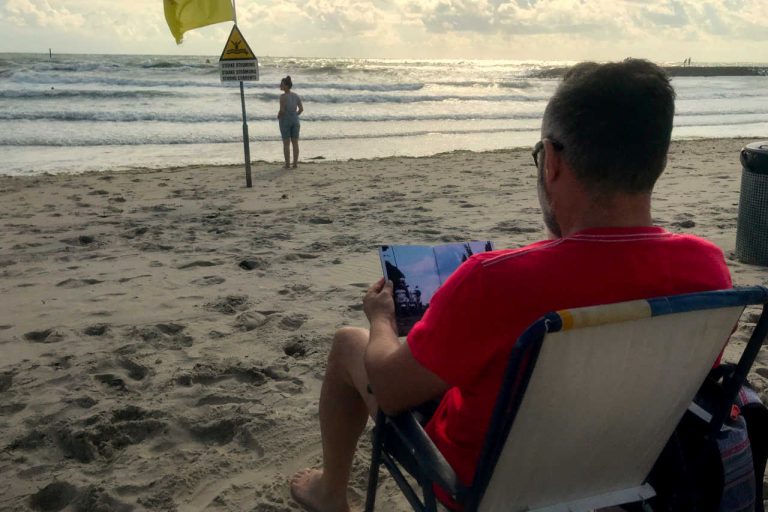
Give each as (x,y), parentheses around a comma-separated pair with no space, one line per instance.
(163,336)
(111,380)
(162,208)
(62,363)
(296,348)
(228,305)
(207,374)
(298,256)
(250,320)
(320,220)
(78,283)
(254,263)
(208,281)
(515,226)
(219,432)
(135,232)
(296,289)
(10,409)
(96,330)
(96,498)
(6,380)
(200,263)
(136,371)
(44,336)
(153,247)
(106,432)
(215,399)
(84,402)
(170,328)
(82,240)
(293,322)
(127,279)
(54,496)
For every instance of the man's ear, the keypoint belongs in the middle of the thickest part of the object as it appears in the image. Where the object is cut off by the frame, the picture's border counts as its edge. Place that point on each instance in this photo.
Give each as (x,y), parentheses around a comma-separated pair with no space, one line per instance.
(553,162)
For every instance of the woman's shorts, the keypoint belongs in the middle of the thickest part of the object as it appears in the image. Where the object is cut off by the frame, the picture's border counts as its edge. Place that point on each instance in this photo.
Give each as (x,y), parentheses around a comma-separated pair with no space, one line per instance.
(289,127)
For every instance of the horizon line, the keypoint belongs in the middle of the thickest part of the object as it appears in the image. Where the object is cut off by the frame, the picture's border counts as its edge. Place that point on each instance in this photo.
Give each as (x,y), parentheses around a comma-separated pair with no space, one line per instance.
(663,62)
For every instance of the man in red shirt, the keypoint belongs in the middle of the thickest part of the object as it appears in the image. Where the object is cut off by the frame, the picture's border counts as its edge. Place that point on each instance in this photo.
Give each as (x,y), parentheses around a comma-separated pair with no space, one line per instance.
(605,137)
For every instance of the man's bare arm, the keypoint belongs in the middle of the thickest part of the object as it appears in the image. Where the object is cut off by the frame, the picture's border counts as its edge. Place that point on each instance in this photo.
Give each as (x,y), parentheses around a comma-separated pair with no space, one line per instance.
(398,381)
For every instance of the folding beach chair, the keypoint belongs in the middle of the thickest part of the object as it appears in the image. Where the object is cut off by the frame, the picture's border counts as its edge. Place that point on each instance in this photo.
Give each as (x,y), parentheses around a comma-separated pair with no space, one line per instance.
(590,398)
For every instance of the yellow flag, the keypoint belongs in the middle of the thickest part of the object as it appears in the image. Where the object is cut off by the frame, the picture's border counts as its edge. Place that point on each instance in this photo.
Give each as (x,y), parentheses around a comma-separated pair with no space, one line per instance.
(184,15)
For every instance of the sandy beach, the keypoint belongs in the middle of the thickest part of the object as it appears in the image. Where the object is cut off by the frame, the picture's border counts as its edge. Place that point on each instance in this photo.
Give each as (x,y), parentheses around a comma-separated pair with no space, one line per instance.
(164,333)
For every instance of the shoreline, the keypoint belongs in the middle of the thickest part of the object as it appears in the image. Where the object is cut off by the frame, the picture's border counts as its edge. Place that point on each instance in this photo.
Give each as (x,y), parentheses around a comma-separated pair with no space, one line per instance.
(321,159)
(165,330)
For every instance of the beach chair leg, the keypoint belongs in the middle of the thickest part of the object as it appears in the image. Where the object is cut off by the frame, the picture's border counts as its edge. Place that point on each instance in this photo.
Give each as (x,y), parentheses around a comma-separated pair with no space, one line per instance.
(373,473)
(430,503)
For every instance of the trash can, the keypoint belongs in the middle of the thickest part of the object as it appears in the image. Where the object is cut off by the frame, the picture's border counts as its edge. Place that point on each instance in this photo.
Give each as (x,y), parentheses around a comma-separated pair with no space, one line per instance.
(752,226)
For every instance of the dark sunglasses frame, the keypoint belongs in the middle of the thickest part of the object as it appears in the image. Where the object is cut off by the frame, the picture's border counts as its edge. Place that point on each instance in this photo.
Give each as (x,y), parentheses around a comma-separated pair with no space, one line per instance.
(539,146)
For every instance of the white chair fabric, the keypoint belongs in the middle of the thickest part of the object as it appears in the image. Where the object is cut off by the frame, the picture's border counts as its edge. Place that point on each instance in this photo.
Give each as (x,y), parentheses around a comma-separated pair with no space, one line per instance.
(602,401)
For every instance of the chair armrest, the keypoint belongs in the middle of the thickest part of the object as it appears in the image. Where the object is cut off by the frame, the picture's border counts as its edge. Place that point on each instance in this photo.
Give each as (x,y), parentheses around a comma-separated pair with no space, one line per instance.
(431,462)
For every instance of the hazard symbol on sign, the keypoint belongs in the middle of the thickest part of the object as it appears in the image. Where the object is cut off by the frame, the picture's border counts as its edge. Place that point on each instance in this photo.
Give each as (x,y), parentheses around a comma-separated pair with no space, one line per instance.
(237,61)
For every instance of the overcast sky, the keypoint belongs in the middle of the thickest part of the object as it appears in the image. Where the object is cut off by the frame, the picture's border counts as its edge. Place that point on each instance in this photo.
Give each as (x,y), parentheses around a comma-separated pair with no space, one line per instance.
(663,30)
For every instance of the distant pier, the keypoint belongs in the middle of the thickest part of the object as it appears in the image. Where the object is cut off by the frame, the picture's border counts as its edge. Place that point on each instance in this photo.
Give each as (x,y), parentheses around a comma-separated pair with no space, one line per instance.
(674,71)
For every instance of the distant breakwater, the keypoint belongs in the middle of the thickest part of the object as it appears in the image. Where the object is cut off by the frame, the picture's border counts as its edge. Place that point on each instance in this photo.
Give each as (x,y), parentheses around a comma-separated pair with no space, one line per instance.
(676,71)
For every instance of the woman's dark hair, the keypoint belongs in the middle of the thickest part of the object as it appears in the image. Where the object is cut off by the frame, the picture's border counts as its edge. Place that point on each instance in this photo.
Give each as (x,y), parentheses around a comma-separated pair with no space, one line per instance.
(287,81)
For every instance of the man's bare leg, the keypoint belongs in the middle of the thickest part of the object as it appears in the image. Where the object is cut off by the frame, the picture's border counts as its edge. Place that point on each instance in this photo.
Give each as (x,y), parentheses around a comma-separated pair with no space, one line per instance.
(295,143)
(287,152)
(345,406)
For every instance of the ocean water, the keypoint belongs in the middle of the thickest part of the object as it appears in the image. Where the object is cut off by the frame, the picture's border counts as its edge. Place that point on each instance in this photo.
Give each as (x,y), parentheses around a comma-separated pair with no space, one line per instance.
(77,113)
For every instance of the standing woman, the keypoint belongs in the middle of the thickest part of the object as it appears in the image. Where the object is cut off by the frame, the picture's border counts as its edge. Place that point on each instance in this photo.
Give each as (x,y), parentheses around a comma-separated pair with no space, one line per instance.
(288,116)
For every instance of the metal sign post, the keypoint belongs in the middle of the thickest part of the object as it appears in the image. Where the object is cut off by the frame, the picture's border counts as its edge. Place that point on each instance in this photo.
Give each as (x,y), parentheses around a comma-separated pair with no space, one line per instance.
(238,64)
(246,141)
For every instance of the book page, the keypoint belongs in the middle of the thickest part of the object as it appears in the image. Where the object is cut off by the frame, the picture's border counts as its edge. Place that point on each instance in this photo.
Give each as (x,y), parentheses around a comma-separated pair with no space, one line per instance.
(417,271)
(413,272)
(448,257)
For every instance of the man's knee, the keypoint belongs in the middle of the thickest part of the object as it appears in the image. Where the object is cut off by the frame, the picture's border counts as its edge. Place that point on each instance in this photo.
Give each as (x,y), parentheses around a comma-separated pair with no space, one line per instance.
(348,342)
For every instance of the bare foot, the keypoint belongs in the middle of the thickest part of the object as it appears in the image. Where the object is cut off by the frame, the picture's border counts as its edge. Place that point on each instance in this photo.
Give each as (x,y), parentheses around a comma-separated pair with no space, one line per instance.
(307,490)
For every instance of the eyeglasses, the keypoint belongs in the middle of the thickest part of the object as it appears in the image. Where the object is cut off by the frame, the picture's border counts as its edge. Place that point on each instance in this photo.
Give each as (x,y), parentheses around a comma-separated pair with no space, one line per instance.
(539,146)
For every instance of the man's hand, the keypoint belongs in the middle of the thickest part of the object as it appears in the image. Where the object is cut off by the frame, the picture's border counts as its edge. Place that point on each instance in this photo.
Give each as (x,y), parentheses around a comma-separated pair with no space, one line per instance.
(378,302)
(399,382)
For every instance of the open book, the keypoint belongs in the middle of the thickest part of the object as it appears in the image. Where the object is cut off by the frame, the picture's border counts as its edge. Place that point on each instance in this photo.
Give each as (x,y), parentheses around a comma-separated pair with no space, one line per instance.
(417,271)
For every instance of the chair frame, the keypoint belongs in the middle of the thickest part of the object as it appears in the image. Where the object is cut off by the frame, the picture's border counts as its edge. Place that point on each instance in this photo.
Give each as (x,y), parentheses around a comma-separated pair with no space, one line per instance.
(401,441)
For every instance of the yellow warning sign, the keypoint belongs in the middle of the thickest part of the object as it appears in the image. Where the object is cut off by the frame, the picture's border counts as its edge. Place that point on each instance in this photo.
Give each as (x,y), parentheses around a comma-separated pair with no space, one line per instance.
(236,47)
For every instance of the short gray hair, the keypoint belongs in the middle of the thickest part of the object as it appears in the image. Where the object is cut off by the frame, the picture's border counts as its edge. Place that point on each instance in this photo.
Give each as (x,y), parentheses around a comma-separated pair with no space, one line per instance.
(615,123)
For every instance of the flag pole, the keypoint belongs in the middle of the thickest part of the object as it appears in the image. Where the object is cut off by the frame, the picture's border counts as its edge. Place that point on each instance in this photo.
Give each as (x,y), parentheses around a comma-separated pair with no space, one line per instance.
(246,139)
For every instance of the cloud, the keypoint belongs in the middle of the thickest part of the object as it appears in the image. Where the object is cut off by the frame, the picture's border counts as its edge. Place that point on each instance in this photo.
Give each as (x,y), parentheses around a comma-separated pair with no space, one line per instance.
(461,15)
(560,29)
(595,17)
(40,13)
(669,14)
